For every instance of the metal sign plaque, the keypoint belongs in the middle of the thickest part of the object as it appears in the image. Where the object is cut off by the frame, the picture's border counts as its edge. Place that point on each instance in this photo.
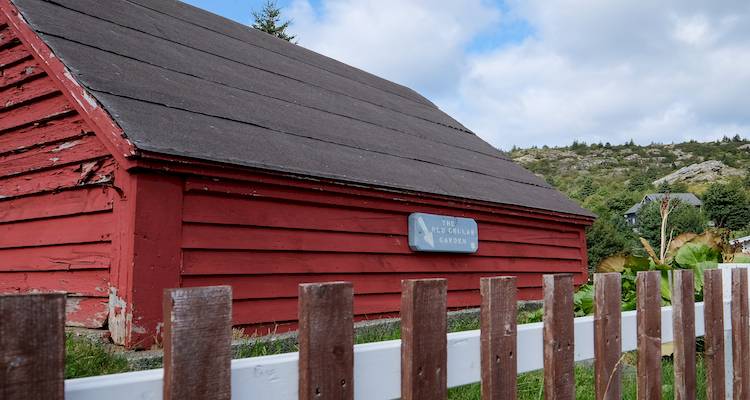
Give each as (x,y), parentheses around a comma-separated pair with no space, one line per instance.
(442,233)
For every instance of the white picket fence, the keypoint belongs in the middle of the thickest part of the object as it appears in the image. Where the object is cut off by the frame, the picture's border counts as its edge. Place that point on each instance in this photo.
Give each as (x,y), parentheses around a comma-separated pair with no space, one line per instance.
(377,366)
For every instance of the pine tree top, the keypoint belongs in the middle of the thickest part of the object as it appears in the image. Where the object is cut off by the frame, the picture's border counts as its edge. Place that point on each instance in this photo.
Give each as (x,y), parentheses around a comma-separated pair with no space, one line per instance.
(268,20)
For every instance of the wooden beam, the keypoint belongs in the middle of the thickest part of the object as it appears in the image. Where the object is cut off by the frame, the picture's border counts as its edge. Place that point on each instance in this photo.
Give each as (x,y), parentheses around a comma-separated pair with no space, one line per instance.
(648,320)
(713,317)
(607,336)
(559,376)
(740,335)
(326,341)
(424,339)
(197,343)
(498,337)
(32,346)
(683,326)
(147,255)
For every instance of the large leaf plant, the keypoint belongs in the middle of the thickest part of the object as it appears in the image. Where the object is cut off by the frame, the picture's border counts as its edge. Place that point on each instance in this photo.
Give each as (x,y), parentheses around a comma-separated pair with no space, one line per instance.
(685,251)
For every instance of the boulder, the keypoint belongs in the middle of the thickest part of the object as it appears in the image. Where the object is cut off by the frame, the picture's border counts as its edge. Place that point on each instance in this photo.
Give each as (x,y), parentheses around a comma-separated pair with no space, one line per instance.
(707,171)
(525,159)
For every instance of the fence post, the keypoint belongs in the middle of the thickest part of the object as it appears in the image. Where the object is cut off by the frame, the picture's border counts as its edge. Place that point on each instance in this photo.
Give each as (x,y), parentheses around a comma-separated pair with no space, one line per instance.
(498,337)
(424,340)
(713,309)
(740,334)
(32,346)
(559,369)
(648,320)
(683,326)
(326,341)
(607,336)
(197,343)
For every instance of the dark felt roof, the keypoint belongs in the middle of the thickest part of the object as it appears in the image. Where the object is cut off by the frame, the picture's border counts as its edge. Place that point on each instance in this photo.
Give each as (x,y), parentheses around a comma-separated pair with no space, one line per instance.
(182,81)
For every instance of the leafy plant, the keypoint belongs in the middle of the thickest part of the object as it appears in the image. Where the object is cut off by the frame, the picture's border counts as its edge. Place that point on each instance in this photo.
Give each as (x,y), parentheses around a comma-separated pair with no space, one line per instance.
(686,251)
(583,300)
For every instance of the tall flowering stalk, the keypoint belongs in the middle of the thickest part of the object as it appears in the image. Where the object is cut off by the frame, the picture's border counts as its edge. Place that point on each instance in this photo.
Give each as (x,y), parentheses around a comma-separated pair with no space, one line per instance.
(666,208)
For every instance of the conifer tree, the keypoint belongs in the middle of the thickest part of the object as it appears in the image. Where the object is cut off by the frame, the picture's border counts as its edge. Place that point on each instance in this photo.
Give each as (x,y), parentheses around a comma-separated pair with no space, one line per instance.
(268,20)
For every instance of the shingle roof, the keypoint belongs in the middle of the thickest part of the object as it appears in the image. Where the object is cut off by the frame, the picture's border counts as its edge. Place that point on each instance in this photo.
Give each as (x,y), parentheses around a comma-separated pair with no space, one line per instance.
(687,198)
(182,81)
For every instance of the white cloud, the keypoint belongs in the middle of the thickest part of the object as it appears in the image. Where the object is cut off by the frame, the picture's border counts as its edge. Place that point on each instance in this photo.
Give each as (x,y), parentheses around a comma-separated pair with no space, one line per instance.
(419,43)
(592,70)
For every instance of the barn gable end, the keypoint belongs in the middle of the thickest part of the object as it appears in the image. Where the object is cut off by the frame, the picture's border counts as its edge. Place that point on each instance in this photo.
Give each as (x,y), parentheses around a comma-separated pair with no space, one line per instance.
(55,195)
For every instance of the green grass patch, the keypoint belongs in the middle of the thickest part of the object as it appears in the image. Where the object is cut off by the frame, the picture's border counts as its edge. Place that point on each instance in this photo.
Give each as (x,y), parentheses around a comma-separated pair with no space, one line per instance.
(530,384)
(84,357)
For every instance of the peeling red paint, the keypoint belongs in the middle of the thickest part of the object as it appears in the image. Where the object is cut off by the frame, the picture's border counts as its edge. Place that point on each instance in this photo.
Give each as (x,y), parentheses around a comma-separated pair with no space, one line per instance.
(51,241)
(111,134)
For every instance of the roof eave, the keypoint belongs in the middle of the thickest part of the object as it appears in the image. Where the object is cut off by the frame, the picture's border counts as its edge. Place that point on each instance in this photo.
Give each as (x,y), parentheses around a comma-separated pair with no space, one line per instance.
(146,160)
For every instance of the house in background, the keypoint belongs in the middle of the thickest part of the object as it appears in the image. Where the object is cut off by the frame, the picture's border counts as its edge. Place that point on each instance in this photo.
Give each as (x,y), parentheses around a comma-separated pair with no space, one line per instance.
(149,144)
(742,243)
(631,215)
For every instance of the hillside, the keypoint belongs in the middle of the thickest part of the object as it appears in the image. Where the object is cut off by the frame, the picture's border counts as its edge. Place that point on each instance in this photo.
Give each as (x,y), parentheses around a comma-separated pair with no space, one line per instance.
(598,173)
(608,179)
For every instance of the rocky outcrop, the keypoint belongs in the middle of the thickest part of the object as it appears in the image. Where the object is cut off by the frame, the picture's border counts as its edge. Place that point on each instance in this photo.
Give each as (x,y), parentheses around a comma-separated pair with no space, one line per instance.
(707,171)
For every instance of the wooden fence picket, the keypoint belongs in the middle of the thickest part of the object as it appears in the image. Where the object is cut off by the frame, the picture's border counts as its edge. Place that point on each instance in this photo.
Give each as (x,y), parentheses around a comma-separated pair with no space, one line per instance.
(683,326)
(607,336)
(498,337)
(32,346)
(197,343)
(648,321)
(559,374)
(424,340)
(740,335)
(326,341)
(713,354)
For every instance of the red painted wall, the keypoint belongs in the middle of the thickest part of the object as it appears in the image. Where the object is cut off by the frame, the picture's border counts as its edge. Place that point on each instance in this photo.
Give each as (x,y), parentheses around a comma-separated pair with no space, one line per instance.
(264,239)
(55,213)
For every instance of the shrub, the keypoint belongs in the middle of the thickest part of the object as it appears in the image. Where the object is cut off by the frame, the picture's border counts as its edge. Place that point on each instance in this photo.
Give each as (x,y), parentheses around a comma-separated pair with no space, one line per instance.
(727,205)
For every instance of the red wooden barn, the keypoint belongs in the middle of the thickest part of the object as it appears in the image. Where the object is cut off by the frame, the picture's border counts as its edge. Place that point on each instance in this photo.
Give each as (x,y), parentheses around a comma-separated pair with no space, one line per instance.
(147,144)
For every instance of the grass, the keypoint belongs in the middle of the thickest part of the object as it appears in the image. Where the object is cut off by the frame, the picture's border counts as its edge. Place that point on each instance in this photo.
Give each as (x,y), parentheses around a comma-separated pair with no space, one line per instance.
(86,358)
(530,384)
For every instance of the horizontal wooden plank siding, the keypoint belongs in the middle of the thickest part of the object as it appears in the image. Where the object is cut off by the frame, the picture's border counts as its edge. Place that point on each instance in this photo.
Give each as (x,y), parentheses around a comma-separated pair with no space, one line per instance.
(56,221)
(264,240)
(56,258)
(284,285)
(83,228)
(222,262)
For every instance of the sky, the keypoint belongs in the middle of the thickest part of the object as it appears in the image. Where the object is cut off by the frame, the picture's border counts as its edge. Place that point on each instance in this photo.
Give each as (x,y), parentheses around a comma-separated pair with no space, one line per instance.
(546,72)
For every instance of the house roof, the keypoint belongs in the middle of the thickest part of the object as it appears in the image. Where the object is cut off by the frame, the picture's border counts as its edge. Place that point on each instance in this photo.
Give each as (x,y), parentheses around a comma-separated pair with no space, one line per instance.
(687,198)
(182,81)
(739,240)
